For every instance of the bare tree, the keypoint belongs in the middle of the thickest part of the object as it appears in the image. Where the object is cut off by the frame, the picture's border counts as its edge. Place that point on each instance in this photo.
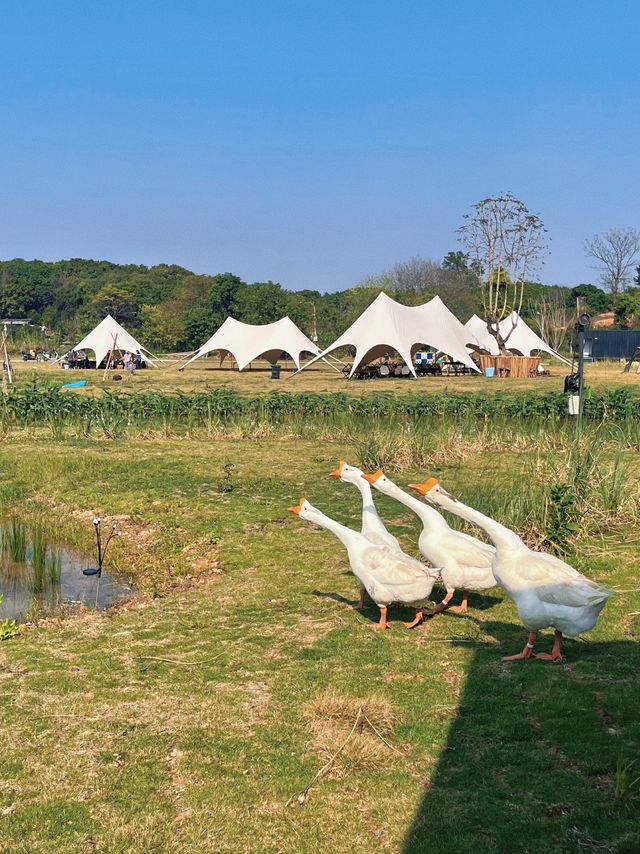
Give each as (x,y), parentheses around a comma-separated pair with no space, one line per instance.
(506,242)
(554,318)
(616,250)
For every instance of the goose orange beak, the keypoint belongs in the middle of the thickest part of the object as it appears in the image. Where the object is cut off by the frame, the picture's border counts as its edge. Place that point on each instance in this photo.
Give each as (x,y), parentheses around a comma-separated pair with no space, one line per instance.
(371,478)
(425,487)
(338,471)
(298,507)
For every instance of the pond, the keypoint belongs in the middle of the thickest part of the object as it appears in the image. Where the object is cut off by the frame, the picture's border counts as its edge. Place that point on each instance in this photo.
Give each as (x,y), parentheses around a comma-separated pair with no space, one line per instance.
(38,577)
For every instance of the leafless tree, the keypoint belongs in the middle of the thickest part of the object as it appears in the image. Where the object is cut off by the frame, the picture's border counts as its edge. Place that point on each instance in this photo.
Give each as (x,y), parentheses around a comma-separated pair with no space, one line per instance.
(554,319)
(616,250)
(506,241)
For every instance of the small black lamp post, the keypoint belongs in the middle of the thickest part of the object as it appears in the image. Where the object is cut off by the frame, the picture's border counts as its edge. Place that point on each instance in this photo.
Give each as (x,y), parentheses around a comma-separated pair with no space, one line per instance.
(102,552)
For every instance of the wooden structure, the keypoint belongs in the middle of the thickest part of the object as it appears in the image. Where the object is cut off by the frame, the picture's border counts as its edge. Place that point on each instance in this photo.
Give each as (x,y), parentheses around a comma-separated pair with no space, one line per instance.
(511,366)
(6,361)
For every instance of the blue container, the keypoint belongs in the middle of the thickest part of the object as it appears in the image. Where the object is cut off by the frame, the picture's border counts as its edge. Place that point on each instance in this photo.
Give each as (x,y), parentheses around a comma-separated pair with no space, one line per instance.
(489,372)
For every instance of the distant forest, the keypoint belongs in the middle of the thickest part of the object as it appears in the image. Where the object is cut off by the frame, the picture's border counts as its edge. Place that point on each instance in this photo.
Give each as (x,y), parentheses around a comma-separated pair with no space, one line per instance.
(170,308)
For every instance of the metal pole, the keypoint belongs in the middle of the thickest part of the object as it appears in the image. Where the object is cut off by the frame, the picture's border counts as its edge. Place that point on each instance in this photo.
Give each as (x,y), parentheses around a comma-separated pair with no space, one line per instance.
(580,327)
(580,368)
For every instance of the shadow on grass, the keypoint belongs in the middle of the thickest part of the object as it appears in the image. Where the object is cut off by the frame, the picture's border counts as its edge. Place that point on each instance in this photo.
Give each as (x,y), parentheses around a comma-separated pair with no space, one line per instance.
(476,603)
(530,762)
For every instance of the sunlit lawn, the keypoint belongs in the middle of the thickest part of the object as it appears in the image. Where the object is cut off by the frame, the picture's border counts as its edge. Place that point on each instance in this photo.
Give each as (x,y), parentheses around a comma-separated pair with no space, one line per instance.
(207,374)
(187,722)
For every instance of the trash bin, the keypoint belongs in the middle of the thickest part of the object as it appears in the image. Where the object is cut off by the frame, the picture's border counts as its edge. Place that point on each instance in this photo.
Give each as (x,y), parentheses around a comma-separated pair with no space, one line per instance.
(275,372)
(489,372)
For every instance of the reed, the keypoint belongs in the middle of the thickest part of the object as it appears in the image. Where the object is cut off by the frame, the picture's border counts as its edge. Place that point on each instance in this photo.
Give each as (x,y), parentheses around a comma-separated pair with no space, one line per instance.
(54,566)
(16,537)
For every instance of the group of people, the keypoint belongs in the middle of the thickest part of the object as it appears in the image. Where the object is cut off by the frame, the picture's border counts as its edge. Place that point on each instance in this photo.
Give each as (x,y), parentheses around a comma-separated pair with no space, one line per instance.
(132,361)
(127,360)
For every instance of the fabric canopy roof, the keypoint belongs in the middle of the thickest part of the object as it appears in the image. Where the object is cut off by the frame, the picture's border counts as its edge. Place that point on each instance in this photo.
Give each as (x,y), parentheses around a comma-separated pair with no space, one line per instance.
(522,341)
(101,339)
(387,325)
(246,342)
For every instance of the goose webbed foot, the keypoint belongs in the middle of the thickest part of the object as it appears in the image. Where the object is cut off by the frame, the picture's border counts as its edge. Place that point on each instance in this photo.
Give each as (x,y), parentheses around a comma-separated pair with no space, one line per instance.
(556,652)
(431,612)
(419,618)
(383,624)
(463,607)
(527,652)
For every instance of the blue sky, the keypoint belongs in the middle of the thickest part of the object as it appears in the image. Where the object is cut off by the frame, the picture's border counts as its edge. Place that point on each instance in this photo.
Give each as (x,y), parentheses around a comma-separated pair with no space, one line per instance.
(312,143)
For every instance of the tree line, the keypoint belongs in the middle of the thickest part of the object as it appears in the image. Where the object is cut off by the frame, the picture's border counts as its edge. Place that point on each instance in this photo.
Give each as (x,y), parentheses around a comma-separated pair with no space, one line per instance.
(171,308)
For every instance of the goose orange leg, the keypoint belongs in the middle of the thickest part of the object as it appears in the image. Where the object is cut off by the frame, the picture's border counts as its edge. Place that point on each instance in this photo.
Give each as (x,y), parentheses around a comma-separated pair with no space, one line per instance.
(419,618)
(430,612)
(383,624)
(556,652)
(527,652)
(463,607)
(360,604)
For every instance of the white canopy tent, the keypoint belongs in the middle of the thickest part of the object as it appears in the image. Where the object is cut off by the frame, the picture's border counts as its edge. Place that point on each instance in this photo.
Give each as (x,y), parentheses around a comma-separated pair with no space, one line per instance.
(246,342)
(387,325)
(109,334)
(523,341)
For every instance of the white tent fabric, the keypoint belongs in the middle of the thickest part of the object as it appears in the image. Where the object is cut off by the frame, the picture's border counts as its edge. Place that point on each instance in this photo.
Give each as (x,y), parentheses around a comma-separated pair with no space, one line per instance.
(387,325)
(246,342)
(523,340)
(100,340)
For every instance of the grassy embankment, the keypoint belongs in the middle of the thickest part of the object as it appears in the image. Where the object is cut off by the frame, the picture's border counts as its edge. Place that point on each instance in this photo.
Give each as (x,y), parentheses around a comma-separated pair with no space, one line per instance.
(186,723)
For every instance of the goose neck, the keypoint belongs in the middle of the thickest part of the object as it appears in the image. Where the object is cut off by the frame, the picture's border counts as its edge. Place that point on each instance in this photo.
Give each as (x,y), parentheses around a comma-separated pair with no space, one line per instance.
(428,515)
(344,534)
(499,534)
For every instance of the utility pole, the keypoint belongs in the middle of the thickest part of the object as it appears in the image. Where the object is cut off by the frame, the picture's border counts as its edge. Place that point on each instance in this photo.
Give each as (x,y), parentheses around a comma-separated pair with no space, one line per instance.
(582,323)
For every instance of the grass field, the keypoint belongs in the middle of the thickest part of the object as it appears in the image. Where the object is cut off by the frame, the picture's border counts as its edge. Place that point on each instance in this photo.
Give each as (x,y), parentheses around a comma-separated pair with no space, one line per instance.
(188,720)
(205,374)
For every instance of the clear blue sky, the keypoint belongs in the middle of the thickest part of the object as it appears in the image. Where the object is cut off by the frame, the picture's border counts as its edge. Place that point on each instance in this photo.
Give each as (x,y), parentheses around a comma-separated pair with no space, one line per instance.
(312,143)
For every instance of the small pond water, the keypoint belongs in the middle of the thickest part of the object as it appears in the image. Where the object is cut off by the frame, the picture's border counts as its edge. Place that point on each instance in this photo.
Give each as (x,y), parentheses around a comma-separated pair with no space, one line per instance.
(38,578)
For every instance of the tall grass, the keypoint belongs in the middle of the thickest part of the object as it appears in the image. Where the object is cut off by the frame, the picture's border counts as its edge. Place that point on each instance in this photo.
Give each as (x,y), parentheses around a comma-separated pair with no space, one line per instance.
(38,556)
(16,541)
(54,566)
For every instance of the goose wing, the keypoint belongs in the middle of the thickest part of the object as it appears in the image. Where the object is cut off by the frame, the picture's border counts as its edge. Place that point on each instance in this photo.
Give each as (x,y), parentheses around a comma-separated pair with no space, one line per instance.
(557,583)
(468,550)
(396,570)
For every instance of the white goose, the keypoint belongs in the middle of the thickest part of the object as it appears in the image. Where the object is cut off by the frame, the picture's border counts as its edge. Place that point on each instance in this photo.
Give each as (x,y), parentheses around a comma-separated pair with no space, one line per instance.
(465,561)
(373,528)
(547,591)
(387,576)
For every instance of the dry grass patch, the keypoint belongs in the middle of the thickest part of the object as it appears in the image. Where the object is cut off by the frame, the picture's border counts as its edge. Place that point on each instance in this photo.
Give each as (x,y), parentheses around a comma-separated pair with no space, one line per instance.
(331,717)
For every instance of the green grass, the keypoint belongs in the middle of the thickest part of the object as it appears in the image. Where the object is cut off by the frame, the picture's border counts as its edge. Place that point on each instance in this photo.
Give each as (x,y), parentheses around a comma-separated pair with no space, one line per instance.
(187,723)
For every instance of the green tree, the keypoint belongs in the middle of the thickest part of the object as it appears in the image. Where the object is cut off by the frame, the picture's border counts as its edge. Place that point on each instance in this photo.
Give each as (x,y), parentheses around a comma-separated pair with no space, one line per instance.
(456,260)
(161,328)
(120,304)
(224,294)
(594,298)
(627,308)
(262,302)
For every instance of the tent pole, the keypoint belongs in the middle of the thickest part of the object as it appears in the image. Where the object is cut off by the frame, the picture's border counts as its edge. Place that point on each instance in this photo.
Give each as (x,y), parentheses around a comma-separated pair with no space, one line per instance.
(114,339)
